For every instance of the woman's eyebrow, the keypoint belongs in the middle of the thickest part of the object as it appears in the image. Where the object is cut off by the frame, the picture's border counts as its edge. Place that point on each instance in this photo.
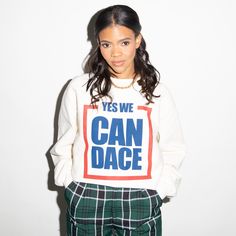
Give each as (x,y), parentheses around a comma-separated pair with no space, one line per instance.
(127,38)
(106,41)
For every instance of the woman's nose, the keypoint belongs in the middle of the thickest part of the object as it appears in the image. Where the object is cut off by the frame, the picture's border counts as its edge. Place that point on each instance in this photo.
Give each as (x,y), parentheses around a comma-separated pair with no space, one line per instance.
(116,51)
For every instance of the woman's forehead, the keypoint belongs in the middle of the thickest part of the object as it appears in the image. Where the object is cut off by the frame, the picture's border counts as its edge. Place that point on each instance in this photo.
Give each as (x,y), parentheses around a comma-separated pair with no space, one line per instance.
(116,32)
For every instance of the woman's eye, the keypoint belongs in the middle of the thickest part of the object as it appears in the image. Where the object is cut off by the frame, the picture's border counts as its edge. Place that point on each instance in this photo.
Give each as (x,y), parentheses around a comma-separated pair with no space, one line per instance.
(105,45)
(125,43)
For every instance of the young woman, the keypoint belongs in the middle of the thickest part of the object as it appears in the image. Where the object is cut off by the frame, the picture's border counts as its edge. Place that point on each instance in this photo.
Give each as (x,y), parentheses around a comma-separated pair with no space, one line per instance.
(120,143)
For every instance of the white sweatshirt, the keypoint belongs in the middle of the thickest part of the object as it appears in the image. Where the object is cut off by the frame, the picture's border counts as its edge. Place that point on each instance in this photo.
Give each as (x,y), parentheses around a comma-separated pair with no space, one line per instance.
(125,143)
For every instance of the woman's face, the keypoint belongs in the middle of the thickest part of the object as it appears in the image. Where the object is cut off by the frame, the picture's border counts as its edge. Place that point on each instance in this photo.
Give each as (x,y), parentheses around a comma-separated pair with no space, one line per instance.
(118,46)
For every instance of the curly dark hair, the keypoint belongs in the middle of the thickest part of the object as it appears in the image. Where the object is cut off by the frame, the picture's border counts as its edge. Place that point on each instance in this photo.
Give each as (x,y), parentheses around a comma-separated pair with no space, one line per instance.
(99,70)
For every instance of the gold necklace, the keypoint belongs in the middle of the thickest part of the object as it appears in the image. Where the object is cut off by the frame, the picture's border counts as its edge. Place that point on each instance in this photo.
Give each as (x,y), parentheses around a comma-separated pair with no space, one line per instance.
(123,87)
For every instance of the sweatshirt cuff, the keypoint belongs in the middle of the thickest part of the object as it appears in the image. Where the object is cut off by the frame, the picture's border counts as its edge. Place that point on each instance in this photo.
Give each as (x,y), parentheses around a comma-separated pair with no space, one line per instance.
(68,181)
(161,193)
(62,174)
(169,182)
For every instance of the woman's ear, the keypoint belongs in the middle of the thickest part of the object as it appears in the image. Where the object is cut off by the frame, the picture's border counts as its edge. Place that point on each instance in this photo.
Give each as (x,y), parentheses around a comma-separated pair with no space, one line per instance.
(138,40)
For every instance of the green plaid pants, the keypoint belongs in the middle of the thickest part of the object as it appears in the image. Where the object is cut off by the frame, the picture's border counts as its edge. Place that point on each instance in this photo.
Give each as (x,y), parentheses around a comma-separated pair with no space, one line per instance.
(97,210)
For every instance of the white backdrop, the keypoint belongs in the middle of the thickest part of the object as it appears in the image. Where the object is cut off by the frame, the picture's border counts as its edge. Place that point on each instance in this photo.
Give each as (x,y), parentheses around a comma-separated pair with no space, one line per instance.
(192,44)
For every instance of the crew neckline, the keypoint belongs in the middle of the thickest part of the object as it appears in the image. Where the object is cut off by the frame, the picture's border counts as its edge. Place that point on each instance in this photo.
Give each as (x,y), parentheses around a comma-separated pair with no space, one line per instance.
(124,82)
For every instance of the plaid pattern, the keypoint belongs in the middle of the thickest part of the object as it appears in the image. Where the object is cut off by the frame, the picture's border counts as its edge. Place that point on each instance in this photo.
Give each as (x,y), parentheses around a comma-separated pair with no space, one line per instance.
(99,210)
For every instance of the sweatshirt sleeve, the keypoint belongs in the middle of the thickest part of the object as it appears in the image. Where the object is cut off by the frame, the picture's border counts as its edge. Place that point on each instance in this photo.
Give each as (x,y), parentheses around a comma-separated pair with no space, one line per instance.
(61,152)
(171,143)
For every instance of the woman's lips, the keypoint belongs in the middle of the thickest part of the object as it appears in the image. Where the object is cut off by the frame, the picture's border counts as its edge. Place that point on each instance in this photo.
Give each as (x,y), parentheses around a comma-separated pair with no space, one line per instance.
(117,63)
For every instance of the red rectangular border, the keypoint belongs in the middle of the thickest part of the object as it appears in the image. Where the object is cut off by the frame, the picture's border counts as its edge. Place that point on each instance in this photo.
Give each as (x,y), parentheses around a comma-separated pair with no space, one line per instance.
(102,177)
